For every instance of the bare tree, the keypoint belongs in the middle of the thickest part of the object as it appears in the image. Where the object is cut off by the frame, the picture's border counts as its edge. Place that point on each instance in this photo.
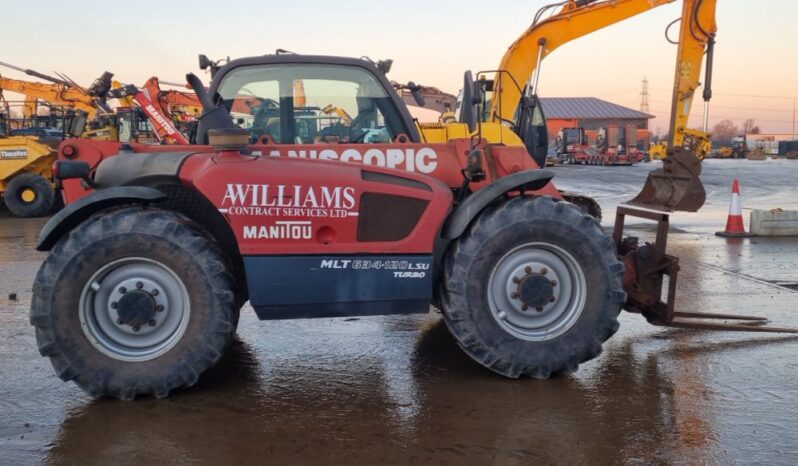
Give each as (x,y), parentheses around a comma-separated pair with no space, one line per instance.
(724,132)
(750,127)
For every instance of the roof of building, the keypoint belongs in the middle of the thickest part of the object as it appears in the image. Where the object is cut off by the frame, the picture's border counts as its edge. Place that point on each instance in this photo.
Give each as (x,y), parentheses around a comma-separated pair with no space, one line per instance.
(587,108)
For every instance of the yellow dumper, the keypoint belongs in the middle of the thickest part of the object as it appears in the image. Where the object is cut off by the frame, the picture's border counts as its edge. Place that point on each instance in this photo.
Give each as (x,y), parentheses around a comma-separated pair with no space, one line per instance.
(26,176)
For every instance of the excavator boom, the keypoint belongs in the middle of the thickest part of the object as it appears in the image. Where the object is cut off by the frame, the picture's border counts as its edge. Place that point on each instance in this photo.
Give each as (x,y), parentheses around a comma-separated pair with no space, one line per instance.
(676,186)
(520,64)
(56,94)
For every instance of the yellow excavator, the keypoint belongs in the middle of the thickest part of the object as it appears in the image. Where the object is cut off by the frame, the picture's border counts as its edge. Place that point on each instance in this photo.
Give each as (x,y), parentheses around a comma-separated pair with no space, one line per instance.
(59,92)
(676,185)
(512,115)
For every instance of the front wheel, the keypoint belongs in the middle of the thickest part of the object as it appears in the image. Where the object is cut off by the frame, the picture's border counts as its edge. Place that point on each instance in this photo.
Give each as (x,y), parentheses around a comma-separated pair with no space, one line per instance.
(533,288)
(133,302)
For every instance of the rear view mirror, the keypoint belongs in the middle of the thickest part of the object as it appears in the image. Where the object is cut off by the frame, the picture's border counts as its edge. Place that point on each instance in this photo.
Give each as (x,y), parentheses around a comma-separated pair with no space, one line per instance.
(204,62)
(468,114)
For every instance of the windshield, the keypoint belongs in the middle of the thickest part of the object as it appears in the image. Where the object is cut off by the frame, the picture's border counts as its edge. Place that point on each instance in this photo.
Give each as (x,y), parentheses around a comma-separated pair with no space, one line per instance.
(310,104)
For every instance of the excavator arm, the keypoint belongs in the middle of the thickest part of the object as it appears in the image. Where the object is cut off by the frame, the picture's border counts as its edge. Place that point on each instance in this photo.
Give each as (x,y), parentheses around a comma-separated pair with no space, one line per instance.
(577,18)
(164,128)
(696,39)
(56,94)
(172,101)
(676,186)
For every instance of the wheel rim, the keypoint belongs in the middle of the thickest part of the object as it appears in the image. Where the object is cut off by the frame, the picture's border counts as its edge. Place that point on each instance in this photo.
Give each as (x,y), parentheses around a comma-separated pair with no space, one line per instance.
(537,291)
(134,309)
(27,195)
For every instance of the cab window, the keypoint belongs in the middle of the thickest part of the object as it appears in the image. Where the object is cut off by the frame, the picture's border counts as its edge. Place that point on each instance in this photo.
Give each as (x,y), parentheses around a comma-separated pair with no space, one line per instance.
(311,104)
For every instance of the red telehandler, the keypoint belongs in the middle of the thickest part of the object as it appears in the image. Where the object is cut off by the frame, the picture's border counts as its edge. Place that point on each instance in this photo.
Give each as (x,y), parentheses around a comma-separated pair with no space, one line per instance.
(304,215)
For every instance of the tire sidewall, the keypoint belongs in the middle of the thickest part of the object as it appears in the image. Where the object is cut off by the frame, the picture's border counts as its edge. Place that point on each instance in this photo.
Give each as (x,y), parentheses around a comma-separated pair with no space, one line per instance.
(579,342)
(90,363)
(45,195)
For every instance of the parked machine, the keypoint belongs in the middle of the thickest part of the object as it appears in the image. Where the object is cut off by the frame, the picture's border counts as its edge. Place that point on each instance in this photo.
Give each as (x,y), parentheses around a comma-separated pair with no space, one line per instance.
(513,90)
(59,91)
(737,150)
(153,259)
(572,146)
(616,145)
(26,183)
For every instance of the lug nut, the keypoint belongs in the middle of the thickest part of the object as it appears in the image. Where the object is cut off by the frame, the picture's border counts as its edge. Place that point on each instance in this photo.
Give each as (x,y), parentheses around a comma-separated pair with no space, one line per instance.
(155,292)
(528,269)
(552,299)
(514,295)
(119,321)
(524,307)
(159,308)
(136,328)
(539,309)
(139,285)
(554,283)
(516,280)
(152,322)
(122,289)
(544,271)
(114,305)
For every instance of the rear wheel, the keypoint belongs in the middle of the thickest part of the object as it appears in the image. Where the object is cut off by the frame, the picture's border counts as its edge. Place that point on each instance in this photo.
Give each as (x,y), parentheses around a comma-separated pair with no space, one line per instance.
(533,288)
(133,302)
(29,195)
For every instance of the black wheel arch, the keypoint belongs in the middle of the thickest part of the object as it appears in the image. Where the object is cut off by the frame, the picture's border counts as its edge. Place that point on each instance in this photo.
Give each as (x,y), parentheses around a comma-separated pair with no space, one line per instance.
(164,194)
(461,216)
(467,210)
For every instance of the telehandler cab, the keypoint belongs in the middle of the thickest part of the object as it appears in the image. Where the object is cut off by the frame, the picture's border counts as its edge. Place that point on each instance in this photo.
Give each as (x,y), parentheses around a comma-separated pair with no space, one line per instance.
(306,215)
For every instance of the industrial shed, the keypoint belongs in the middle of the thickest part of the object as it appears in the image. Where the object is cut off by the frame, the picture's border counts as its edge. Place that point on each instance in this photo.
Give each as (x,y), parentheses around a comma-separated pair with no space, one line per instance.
(591,114)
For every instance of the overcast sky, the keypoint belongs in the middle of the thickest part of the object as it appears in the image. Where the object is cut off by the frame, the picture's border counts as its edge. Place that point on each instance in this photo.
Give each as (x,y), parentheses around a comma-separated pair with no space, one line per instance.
(432,43)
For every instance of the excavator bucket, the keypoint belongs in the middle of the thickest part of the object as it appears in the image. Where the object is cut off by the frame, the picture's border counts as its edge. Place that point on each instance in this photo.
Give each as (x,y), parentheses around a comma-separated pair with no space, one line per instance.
(650,282)
(674,187)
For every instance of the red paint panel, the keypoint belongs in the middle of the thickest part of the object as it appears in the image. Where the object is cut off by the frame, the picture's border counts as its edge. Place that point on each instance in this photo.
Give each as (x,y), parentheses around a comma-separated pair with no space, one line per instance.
(291,205)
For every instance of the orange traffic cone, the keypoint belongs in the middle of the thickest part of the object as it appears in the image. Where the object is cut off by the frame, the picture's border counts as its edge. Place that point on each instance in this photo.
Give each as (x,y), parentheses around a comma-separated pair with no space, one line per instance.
(734,224)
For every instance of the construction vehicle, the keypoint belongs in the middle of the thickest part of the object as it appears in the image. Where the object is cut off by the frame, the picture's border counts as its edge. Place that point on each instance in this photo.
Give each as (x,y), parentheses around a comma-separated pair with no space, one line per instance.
(658,151)
(172,102)
(161,122)
(126,124)
(394,230)
(737,150)
(512,93)
(26,183)
(60,91)
(572,146)
(146,274)
(616,146)
(431,97)
(331,109)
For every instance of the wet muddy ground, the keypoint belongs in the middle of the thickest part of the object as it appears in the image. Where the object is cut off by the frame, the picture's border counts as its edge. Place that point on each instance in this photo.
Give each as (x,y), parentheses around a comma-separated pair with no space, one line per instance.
(398,390)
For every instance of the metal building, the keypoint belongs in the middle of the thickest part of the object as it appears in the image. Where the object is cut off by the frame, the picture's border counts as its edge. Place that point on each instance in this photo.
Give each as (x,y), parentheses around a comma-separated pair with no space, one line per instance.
(591,114)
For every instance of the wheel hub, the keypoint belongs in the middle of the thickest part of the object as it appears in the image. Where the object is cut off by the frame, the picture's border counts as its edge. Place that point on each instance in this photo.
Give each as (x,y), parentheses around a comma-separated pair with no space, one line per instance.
(28,195)
(136,308)
(535,291)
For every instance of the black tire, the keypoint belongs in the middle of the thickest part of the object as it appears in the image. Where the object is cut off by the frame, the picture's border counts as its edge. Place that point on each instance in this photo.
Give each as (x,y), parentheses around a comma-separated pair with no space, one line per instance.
(164,238)
(29,184)
(586,204)
(469,268)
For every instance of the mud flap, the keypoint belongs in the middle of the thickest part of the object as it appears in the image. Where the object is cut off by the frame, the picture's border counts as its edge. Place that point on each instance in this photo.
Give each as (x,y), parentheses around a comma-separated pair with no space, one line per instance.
(645,282)
(674,187)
